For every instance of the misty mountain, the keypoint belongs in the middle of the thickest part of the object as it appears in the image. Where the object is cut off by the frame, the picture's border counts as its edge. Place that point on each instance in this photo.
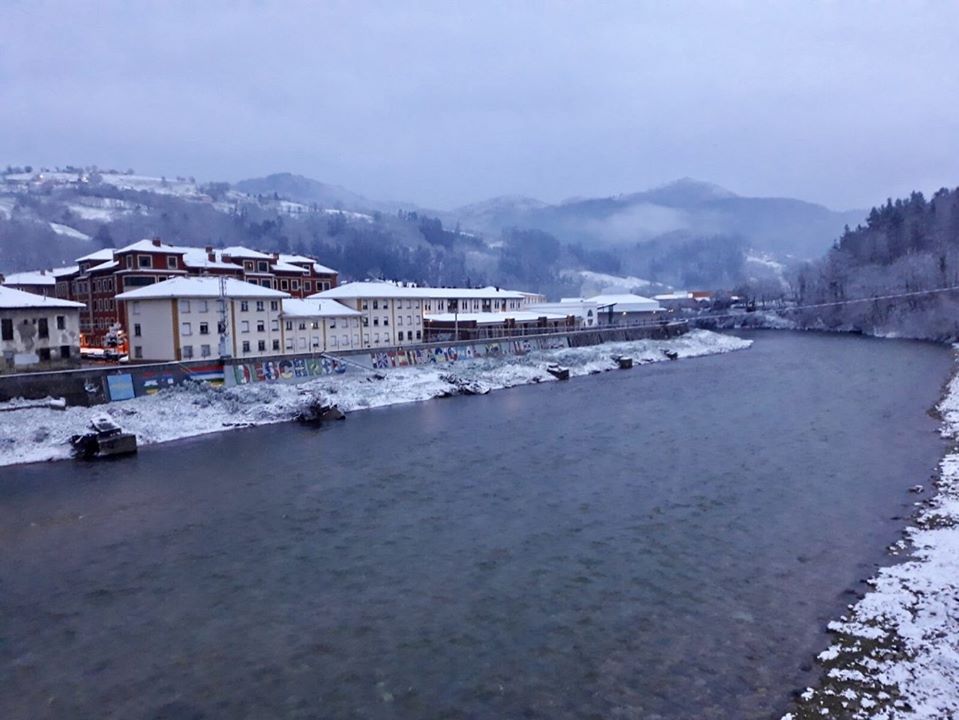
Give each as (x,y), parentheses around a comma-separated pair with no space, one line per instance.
(686,208)
(313,192)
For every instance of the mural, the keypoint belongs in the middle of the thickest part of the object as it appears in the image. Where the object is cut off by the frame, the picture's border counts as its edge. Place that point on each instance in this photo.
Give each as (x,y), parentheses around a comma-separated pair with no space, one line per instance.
(140,381)
(286,369)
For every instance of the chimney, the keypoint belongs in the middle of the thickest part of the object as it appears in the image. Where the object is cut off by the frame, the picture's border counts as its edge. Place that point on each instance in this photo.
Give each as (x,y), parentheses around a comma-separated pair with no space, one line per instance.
(209,249)
(210,255)
(156,242)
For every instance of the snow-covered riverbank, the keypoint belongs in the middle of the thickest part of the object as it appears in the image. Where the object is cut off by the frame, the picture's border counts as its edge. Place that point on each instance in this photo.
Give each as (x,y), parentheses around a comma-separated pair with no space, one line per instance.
(36,434)
(896,653)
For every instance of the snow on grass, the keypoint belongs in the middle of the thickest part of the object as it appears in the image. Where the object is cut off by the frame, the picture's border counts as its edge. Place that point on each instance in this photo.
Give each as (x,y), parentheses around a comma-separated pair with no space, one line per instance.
(36,434)
(68,231)
(897,651)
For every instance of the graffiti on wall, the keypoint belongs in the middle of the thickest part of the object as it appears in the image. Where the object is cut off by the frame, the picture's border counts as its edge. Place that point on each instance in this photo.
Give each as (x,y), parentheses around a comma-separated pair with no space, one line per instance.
(285,369)
(140,381)
(438,355)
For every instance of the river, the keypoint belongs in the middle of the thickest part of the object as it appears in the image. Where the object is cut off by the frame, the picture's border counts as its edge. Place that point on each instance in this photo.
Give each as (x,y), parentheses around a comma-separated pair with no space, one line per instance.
(665,542)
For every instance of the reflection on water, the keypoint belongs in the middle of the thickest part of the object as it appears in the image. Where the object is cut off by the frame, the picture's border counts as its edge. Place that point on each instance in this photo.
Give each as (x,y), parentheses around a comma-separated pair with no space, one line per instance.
(663,542)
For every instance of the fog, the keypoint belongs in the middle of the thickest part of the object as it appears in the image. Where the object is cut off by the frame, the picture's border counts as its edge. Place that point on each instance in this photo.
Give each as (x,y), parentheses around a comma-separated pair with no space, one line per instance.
(443,104)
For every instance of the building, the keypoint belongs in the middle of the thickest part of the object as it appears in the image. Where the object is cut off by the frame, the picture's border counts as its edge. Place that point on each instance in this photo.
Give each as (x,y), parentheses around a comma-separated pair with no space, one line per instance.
(444,327)
(38,332)
(320,325)
(196,317)
(393,314)
(99,277)
(625,309)
(37,282)
(584,312)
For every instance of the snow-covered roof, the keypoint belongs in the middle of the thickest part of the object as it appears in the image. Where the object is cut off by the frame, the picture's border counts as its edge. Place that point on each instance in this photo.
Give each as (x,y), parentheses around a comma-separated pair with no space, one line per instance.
(389,290)
(205,287)
(287,267)
(10,298)
(673,296)
(148,246)
(316,307)
(323,269)
(109,265)
(198,258)
(100,255)
(69,270)
(238,251)
(626,302)
(493,318)
(32,277)
(295,258)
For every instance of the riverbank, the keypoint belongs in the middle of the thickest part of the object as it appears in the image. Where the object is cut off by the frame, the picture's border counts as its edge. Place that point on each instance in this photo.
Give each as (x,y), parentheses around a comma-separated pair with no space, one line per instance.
(896,653)
(39,434)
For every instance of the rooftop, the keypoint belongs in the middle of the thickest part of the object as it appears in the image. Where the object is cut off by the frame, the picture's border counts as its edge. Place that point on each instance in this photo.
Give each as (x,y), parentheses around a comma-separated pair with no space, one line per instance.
(10,298)
(315,307)
(151,246)
(626,302)
(33,277)
(493,318)
(389,290)
(203,287)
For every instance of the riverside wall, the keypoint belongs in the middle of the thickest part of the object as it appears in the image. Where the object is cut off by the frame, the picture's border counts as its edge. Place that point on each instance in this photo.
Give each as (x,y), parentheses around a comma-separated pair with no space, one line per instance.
(106,383)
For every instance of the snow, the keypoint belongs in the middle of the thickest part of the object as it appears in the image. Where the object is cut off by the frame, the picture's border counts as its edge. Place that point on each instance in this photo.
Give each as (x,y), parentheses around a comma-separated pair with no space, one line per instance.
(205,286)
(6,206)
(625,302)
(10,298)
(494,318)
(37,434)
(315,307)
(33,277)
(353,290)
(899,645)
(68,231)
(99,214)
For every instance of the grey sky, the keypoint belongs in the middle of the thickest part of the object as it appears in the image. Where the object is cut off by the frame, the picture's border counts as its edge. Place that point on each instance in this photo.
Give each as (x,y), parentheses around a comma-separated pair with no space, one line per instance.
(439,103)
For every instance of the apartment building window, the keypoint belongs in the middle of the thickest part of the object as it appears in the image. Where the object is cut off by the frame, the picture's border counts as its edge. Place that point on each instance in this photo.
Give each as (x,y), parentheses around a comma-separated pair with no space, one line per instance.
(43,329)
(376,337)
(399,336)
(386,321)
(260,326)
(315,325)
(186,329)
(187,352)
(261,345)
(399,319)
(409,319)
(289,324)
(302,343)
(61,322)
(409,304)
(307,285)
(295,284)
(244,306)
(205,351)
(136,330)
(418,335)
(64,352)
(289,343)
(266,283)
(138,352)
(6,329)
(44,353)
(245,326)
(274,305)
(284,284)
(263,266)
(376,304)
(332,323)
(260,307)
(184,306)
(204,328)
(301,325)
(171,262)
(346,339)
(276,345)
(365,305)
(316,341)
(144,261)
(376,322)
(202,306)
(333,342)
(246,346)
(275,325)
(129,261)
(366,322)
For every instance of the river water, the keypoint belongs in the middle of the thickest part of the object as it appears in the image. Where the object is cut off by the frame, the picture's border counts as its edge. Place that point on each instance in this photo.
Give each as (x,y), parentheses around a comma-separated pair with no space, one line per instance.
(665,542)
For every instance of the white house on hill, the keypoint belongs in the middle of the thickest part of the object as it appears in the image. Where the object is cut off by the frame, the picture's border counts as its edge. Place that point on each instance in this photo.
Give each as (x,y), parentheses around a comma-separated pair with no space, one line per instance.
(37,332)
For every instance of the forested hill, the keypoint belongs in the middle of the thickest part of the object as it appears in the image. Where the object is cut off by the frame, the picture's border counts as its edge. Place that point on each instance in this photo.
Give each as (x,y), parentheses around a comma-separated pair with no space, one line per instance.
(905,246)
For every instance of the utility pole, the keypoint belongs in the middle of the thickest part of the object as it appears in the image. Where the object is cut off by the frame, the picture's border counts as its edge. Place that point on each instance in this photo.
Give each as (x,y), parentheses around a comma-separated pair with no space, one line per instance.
(221,326)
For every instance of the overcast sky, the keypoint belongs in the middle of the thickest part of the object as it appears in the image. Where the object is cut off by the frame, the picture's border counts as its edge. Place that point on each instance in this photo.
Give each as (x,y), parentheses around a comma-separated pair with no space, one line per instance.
(842,103)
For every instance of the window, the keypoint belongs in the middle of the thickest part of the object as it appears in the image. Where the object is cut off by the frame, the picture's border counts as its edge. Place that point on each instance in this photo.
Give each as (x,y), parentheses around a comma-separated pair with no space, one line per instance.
(204,328)
(294,284)
(399,319)
(275,325)
(333,342)
(136,330)
(386,321)
(263,266)
(43,329)
(289,324)
(274,305)
(417,334)
(289,343)
(246,346)
(409,319)
(202,306)
(184,306)
(346,339)
(276,345)
(144,261)
(399,336)
(301,325)
(332,323)
(302,343)
(260,326)
(186,329)
(376,322)
(129,261)
(316,341)
(171,262)
(44,354)
(6,329)
(365,305)
(260,307)
(366,322)
(186,352)
(261,345)
(307,285)
(409,304)
(64,352)
(244,306)
(376,337)
(138,352)
(376,304)
(244,326)
(205,351)
(314,325)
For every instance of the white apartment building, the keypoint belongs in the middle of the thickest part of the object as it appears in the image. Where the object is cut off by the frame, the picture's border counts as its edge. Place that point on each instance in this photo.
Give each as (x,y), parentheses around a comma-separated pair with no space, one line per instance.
(317,325)
(37,332)
(186,318)
(392,315)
